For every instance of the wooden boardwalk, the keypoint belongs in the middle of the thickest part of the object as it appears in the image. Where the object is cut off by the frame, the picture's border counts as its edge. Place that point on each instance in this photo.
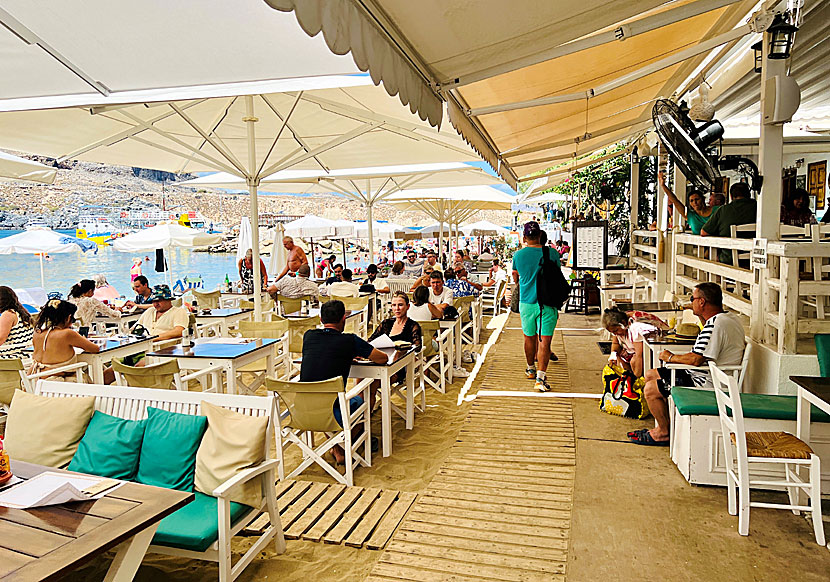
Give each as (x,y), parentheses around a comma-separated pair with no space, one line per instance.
(499,507)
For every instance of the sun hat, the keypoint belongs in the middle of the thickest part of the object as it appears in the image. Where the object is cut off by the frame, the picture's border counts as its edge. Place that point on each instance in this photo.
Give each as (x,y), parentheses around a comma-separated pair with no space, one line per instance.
(688,330)
(160,293)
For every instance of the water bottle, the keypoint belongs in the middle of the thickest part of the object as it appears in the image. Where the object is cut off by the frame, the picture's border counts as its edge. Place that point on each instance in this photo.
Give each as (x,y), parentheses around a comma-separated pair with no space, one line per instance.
(186,341)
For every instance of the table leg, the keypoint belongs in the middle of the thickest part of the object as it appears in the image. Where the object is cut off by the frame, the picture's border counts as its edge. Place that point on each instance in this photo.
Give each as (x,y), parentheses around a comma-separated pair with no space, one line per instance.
(129,555)
(223,326)
(97,370)
(386,414)
(451,343)
(409,370)
(230,373)
(802,430)
(458,343)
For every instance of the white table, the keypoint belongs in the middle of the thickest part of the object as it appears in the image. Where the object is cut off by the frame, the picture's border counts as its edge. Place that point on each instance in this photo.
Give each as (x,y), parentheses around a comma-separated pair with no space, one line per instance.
(225,318)
(115,347)
(231,355)
(384,372)
(232,298)
(656,346)
(122,322)
(813,391)
(455,325)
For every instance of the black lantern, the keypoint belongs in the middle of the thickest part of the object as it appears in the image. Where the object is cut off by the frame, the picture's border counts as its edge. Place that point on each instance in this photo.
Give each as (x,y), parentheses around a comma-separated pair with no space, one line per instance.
(782,34)
(758,48)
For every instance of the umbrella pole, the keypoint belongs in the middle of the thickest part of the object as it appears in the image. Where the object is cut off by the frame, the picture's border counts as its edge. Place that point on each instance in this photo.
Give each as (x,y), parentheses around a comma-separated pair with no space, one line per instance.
(253,183)
(369,232)
(42,277)
(343,246)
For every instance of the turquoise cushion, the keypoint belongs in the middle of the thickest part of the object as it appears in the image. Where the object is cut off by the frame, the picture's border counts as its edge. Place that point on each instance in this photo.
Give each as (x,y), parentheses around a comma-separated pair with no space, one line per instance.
(168,450)
(110,447)
(195,526)
(692,401)
(823,353)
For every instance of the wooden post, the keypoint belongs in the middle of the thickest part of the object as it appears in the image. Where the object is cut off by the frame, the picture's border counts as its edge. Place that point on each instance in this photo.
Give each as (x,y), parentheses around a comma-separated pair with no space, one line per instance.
(788,306)
(634,183)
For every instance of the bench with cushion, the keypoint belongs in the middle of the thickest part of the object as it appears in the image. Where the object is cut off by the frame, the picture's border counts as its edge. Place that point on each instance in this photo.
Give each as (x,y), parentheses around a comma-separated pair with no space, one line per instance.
(214,445)
(697,442)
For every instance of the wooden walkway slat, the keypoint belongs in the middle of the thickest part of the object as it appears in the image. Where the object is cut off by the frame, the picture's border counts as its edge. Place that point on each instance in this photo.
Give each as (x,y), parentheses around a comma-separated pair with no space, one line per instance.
(499,507)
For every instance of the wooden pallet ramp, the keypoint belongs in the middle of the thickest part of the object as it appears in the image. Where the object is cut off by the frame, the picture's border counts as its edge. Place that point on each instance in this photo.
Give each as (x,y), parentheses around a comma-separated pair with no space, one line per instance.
(499,508)
(336,514)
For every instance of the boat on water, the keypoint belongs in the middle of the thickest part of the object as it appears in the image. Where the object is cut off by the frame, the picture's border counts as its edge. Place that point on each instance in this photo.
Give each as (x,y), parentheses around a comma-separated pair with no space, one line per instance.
(102,224)
(36,223)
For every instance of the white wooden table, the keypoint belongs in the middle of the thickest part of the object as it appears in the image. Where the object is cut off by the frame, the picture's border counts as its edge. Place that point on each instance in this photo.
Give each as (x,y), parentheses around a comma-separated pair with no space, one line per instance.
(455,357)
(225,318)
(229,354)
(122,322)
(113,347)
(384,373)
(813,391)
(232,299)
(656,346)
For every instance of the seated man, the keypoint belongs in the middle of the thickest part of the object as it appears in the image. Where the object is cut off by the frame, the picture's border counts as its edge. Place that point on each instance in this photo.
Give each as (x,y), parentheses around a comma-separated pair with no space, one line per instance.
(486,255)
(328,353)
(162,319)
(373,281)
(338,270)
(721,341)
(496,274)
(457,281)
(143,292)
(413,266)
(742,210)
(440,297)
(344,287)
(295,287)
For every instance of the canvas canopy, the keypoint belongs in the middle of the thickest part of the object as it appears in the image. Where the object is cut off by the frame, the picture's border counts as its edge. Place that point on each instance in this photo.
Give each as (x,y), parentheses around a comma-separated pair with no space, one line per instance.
(380,230)
(484,228)
(43,241)
(17,168)
(528,83)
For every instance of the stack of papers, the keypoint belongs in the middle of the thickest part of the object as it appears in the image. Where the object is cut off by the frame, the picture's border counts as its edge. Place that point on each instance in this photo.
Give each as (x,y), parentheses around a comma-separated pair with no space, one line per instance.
(385,344)
(52,488)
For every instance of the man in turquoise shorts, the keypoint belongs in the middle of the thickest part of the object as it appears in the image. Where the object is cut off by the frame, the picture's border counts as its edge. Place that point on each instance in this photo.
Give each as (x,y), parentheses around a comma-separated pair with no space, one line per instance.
(538,321)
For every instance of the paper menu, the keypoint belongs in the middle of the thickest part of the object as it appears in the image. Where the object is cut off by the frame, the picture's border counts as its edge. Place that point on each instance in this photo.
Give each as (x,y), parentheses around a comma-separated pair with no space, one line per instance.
(383,342)
(51,488)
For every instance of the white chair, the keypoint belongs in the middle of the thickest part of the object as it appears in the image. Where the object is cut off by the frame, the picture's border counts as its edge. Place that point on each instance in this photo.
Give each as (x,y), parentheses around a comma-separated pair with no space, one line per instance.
(164,375)
(309,409)
(491,297)
(13,377)
(469,310)
(259,369)
(742,448)
(132,404)
(436,361)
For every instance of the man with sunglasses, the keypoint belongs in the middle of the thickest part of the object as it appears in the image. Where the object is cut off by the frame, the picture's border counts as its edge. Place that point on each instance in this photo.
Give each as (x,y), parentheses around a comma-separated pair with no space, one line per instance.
(721,341)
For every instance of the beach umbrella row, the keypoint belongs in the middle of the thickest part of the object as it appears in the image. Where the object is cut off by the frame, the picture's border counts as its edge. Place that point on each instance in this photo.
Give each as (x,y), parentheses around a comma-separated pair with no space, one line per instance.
(43,241)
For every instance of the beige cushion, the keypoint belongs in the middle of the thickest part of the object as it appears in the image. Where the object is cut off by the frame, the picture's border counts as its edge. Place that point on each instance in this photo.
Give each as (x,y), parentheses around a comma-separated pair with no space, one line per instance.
(233,442)
(46,430)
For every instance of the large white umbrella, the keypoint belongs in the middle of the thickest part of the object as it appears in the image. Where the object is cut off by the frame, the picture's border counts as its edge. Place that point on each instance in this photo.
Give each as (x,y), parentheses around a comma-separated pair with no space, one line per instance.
(16,168)
(165,236)
(380,230)
(311,226)
(484,228)
(42,241)
(243,241)
(278,257)
(434,230)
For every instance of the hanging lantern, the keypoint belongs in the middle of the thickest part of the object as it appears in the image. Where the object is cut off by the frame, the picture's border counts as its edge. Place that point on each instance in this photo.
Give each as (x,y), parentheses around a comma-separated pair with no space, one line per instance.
(782,34)
(758,49)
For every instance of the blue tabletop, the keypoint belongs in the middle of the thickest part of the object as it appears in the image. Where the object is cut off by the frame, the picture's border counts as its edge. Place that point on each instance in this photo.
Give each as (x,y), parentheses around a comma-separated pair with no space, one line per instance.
(209,349)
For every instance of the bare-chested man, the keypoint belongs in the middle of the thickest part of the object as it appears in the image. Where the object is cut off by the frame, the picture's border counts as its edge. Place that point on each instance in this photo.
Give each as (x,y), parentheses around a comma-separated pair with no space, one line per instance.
(296,257)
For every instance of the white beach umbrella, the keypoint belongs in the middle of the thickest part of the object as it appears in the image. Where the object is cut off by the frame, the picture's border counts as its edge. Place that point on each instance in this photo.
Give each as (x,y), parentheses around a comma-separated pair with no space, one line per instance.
(41,241)
(380,230)
(433,230)
(484,228)
(16,168)
(165,236)
(311,226)
(278,256)
(243,241)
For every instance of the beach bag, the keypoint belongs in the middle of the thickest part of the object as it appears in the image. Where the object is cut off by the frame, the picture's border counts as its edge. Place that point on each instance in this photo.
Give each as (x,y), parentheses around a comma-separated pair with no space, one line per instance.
(514,299)
(552,289)
(623,393)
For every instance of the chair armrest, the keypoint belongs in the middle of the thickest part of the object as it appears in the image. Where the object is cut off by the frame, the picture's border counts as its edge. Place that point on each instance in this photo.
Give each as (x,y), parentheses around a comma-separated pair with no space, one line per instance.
(245,476)
(167,343)
(60,370)
(358,388)
(199,373)
(686,367)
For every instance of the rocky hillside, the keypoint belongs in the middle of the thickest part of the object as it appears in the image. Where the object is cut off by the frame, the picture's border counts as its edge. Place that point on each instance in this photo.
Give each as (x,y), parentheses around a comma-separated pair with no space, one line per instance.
(84,183)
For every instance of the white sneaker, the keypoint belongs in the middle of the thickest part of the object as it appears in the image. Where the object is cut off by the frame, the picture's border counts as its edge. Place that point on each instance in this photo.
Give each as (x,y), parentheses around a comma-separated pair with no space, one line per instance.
(542,385)
(467,358)
(460,372)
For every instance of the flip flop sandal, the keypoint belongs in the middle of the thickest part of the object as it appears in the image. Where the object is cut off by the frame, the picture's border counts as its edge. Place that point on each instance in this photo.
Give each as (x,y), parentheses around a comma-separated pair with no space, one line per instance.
(644,438)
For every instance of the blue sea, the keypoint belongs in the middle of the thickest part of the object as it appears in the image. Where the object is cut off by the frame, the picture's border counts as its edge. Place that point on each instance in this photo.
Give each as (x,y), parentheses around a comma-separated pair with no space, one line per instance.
(65,269)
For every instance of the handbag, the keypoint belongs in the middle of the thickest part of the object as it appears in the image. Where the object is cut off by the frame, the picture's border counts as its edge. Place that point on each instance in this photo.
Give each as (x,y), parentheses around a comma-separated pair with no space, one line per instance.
(623,393)
(552,289)
(514,299)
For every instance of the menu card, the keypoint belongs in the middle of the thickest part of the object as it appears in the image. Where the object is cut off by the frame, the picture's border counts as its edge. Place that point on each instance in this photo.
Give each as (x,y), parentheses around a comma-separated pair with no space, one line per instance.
(51,488)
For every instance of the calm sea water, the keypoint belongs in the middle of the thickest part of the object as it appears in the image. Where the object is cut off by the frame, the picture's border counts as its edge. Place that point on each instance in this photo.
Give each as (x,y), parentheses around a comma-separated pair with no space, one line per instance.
(65,269)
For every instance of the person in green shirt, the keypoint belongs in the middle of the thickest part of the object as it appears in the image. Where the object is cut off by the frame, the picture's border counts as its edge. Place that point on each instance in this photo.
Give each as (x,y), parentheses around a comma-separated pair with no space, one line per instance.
(538,321)
(697,213)
(742,210)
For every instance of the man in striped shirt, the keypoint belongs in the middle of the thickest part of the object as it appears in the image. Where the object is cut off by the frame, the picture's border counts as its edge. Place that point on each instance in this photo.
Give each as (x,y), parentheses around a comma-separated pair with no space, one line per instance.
(721,341)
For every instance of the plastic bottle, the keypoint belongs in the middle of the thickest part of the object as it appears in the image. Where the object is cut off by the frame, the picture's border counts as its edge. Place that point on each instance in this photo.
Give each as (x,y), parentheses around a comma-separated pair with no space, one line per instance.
(5,465)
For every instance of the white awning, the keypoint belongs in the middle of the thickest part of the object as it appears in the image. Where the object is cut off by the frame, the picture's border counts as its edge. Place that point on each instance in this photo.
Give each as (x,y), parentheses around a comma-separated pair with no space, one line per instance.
(453,205)
(16,168)
(165,236)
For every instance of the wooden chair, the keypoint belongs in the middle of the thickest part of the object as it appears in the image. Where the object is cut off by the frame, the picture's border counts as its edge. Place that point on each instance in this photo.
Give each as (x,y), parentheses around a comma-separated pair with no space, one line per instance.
(265,329)
(309,409)
(437,361)
(292,305)
(165,375)
(764,448)
(468,310)
(207,300)
(132,404)
(213,329)
(361,305)
(13,377)
(492,297)
(268,306)
(296,331)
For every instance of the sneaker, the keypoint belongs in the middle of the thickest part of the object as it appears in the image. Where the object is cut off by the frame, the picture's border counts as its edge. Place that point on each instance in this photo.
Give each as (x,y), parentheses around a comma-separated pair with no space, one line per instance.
(467,358)
(460,372)
(530,372)
(542,385)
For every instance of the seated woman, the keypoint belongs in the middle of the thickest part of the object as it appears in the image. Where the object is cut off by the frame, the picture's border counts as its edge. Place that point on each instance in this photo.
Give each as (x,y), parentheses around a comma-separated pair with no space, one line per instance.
(458,259)
(796,211)
(55,341)
(15,326)
(81,295)
(419,310)
(626,340)
(397,271)
(103,290)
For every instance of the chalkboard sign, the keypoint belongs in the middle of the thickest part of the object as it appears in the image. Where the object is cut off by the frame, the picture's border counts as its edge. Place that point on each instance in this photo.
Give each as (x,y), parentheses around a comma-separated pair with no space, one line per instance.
(590,245)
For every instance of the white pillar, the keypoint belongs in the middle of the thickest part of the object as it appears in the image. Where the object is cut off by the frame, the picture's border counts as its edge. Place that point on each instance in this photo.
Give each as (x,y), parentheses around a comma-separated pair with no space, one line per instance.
(770,163)
(369,219)
(634,183)
(680,193)
(253,182)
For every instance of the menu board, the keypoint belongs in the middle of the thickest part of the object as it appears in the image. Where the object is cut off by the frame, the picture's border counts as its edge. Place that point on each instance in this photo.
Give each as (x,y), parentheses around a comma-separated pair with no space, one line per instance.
(590,245)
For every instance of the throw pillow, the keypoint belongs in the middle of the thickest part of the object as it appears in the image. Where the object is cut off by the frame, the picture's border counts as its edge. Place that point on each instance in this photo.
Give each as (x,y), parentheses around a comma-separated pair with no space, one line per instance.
(233,442)
(46,430)
(110,447)
(168,449)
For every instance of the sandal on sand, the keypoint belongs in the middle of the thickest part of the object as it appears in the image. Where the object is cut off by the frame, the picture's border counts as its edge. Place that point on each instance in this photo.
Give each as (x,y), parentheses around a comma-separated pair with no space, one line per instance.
(643,437)
(554,357)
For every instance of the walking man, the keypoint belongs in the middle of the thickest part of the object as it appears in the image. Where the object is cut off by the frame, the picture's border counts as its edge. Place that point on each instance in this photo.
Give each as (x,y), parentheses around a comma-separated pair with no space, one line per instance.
(538,321)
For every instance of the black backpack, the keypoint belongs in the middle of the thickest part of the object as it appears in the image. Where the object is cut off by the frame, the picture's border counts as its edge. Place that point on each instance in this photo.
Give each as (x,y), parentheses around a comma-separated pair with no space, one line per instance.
(552,288)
